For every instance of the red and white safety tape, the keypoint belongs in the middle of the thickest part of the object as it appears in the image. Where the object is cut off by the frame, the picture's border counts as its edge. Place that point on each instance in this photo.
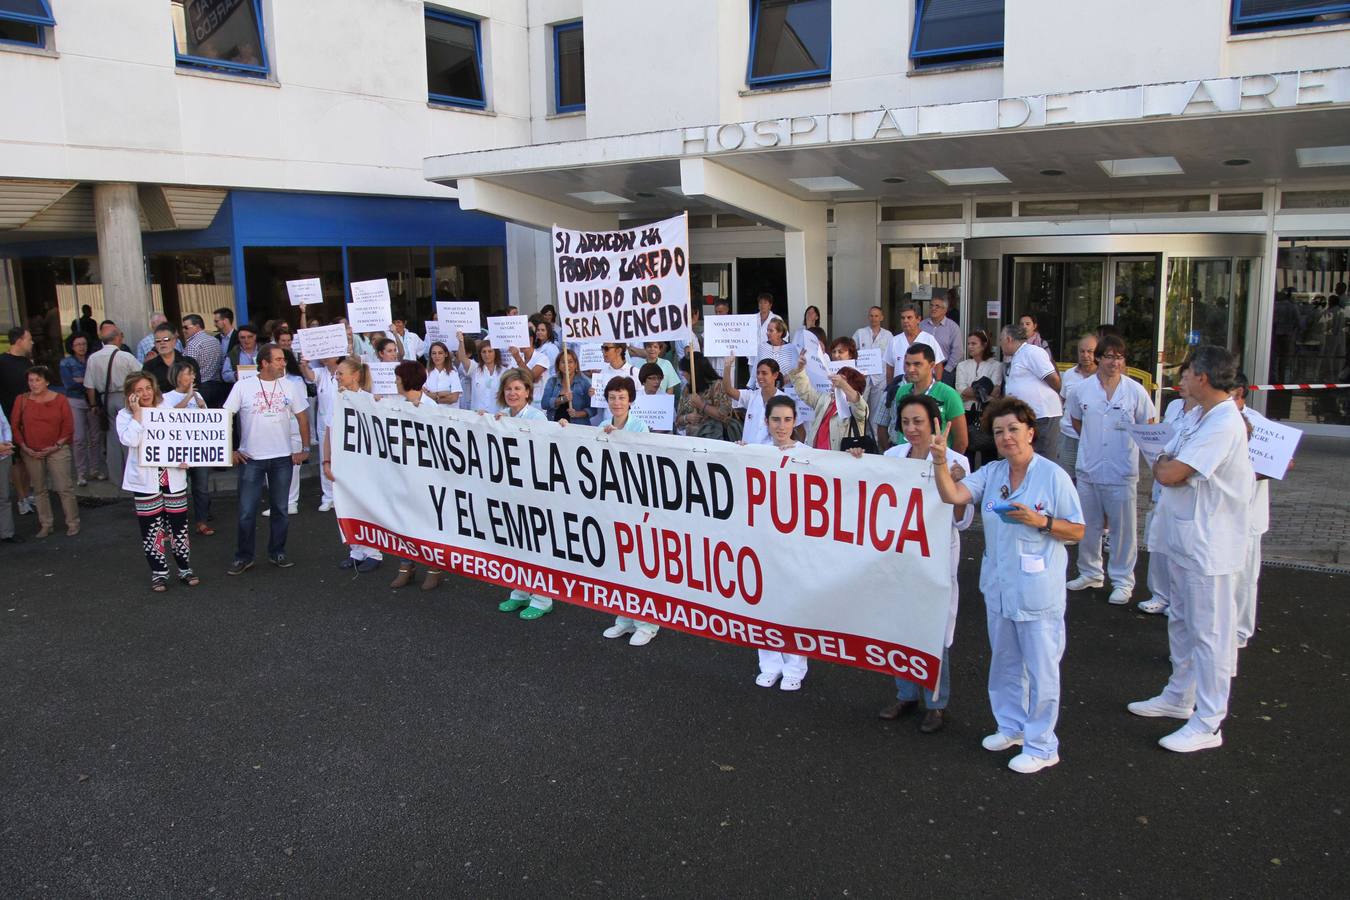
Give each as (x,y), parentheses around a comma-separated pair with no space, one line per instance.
(1296,387)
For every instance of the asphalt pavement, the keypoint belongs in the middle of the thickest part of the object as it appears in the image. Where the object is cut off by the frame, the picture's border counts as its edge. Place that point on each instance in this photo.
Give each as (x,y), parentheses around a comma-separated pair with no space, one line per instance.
(309,732)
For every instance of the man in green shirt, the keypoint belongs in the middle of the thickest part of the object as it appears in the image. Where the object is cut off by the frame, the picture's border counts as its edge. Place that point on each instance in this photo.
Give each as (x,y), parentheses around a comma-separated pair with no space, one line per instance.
(919,362)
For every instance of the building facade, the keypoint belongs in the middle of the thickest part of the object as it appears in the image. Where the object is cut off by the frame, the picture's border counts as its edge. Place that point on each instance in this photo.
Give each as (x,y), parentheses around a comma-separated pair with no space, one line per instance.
(1179,170)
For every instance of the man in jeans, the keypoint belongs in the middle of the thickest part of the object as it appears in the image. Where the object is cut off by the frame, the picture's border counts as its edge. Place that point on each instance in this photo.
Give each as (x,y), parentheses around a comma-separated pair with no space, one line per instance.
(266,403)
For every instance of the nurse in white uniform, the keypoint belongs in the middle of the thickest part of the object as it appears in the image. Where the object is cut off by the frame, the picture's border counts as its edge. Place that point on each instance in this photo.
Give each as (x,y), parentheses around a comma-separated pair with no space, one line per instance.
(1204,515)
(1030,511)
(1102,407)
(781,415)
(1257,525)
(513,397)
(919,416)
(1181,407)
(769,384)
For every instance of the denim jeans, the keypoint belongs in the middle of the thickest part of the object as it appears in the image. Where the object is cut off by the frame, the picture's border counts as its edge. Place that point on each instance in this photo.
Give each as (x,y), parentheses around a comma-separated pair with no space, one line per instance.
(277,473)
(199,478)
(908,691)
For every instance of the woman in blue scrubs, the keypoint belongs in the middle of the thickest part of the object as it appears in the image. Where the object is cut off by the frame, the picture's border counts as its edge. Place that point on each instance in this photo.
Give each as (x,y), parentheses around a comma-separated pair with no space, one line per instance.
(1030,511)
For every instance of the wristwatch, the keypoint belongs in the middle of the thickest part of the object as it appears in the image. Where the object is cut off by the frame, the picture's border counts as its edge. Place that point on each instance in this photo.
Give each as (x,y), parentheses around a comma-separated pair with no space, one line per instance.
(1049,524)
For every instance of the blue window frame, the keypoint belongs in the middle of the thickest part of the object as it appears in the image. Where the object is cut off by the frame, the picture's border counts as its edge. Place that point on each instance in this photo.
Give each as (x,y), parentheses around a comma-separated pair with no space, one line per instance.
(569,68)
(789,42)
(455,60)
(954,31)
(25,22)
(1255,15)
(220,36)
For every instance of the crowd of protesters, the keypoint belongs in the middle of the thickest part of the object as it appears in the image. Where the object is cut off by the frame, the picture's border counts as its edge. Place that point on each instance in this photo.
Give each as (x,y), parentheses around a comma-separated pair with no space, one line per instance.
(1045,457)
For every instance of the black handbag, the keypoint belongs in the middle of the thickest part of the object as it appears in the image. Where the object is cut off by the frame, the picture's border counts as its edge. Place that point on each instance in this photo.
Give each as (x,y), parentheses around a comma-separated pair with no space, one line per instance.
(864,442)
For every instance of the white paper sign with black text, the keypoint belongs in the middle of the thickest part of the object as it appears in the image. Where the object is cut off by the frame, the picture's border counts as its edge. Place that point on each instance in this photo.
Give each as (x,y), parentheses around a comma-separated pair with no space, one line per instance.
(195,437)
(304,291)
(322,342)
(370,308)
(731,335)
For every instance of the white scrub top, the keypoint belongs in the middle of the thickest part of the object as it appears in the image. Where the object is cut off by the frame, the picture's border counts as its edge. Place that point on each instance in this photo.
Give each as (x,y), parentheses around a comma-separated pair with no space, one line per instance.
(1206,517)
(756,430)
(1106,452)
(899,346)
(1026,381)
(1067,380)
(1022,574)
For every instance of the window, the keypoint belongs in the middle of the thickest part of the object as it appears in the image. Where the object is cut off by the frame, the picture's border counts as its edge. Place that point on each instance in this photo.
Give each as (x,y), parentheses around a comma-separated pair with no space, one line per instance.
(455,60)
(789,41)
(954,31)
(220,36)
(25,22)
(569,68)
(1254,15)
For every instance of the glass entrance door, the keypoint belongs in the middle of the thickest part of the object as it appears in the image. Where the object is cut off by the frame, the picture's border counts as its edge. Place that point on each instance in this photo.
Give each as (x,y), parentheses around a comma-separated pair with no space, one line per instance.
(1065,295)
(1134,309)
(1206,304)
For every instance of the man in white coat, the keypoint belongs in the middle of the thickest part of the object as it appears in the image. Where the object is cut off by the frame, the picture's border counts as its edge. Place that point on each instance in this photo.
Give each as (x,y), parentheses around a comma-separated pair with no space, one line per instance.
(873,336)
(1204,513)
(1102,408)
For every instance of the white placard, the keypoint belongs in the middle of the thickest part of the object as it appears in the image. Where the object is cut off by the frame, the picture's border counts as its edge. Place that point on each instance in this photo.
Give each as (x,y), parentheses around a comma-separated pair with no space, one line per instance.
(922,292)
(870,362)
(370,308)
(382,380)
(322,342)
(1151,439)
(505,332)
(712,288)
(439,331)
(657,410)
(590,357)
(993,309)
(627,286)
(195,437)
(805,411)
(304,291)
(1271,445)
(460,316)
(731,335)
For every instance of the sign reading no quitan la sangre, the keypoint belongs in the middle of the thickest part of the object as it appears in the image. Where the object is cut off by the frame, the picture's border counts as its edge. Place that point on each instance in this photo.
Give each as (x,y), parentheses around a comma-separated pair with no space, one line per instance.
(626,286)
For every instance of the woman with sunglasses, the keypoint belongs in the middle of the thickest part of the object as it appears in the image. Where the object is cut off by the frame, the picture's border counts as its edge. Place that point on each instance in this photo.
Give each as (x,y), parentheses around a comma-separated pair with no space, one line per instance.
(1030,511)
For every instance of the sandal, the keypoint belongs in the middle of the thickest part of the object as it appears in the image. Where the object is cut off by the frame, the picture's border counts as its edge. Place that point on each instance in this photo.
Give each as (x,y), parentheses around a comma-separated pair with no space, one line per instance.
(159,583)
(189,579)
(205,530)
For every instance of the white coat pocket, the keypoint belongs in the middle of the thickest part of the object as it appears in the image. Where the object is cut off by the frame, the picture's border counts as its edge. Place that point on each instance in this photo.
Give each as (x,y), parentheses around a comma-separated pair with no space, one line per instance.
(1032,564)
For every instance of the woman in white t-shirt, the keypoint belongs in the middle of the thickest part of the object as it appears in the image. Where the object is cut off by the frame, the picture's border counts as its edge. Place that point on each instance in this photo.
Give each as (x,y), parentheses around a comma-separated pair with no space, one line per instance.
(979,363)
(777,347)
(513,398)
(483,374)
(353,375)
(184,396)
(325,399)
(768,384)
(804,339)
(443,384)
(540,358)
(616,366)
(919,417)
(297,380)
(781,415)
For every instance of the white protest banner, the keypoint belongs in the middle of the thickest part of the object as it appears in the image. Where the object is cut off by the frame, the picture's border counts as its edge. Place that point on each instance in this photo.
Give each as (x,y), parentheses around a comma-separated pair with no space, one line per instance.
(1151,439)
(505,332)
(304,291)
(590,357)
(460,316)
(731,335)
(197,437)
(741,544)
(657,410)
(370,309)
(870,362)
(627,286)
(382,380)
(1271,445)
(322,342)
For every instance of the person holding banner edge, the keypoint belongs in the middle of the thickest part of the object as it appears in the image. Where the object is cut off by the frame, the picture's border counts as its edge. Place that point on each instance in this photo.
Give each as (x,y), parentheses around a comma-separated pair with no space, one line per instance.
(352,374)
(513,397)
(160,493)
(1022,576)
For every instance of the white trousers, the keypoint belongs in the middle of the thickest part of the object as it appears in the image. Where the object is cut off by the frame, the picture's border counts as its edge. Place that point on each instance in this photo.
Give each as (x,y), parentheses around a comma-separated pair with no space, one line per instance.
(538,601)
(1245,616)
(325,483)
(1202,640)
(646,627)
(789,665)
(1158,584)
(1024,680)
(1115,504)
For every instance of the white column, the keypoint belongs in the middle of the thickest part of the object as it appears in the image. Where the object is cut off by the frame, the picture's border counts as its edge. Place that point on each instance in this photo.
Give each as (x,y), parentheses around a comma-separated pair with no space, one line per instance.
(857,269)
(121,259)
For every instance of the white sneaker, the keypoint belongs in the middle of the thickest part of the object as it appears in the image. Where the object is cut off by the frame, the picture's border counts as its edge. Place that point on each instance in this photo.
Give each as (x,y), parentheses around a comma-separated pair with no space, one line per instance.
(641,638)
(1153,606)
(293,509)
(1000,741)
(1026,764)
(790,684)
(82,482)
(618,631)
(1082,583)
(326,506)
(1119,597)
(266,513)
(25,505)
(767,679)
(1157,708)
(1187,740)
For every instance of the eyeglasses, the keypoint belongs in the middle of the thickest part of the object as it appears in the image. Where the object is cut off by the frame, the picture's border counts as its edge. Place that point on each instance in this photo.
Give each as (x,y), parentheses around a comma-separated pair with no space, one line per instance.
(1114,357)
(163,340)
